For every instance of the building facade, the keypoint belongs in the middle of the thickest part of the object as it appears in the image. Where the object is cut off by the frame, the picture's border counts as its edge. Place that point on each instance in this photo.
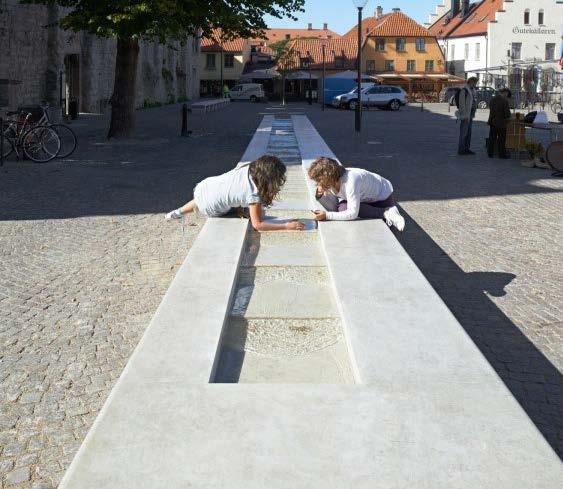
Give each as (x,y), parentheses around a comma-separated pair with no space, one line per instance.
(398,44)
(221,61)
(41,63)
(488,37)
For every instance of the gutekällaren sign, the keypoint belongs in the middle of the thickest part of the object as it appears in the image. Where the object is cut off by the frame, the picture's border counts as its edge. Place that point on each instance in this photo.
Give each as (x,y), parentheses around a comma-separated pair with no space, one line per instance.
(532,30)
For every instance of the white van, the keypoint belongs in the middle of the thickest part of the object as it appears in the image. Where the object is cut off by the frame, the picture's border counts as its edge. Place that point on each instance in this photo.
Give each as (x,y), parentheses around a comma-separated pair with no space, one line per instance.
(247,91)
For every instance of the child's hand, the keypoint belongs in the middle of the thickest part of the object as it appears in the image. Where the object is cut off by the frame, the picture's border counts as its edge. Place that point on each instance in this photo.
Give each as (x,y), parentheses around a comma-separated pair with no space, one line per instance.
(295,226)
(320,215)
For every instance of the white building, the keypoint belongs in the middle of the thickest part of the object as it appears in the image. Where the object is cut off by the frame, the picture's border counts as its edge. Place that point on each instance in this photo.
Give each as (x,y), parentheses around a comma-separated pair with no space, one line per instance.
(486,37)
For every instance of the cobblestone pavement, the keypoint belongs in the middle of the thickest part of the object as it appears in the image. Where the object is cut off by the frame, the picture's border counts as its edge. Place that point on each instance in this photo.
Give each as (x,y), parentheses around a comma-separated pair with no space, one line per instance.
(486,233)
(87,258)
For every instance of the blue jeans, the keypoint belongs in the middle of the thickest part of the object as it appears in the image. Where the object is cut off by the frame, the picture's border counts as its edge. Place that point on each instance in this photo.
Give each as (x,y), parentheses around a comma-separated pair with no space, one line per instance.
(465,135)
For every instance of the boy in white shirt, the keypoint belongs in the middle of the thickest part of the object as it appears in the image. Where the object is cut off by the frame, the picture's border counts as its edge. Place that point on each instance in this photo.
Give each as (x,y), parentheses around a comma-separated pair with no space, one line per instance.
(255,186)
(360,193)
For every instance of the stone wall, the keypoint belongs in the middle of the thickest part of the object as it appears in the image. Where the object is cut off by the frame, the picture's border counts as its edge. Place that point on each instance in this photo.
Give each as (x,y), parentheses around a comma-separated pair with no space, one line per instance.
(34,54)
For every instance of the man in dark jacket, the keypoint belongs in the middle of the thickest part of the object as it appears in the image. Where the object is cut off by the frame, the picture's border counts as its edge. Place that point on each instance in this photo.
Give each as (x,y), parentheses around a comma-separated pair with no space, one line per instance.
(498,120)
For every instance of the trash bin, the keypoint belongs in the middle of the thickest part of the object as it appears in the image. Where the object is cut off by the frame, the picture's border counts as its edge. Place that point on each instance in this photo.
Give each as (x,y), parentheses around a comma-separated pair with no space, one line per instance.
(73,108)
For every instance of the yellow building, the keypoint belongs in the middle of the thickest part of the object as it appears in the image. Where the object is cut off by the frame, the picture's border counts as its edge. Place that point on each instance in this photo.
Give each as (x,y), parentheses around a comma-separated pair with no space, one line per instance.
(397,44)
(399,51)
(221,60)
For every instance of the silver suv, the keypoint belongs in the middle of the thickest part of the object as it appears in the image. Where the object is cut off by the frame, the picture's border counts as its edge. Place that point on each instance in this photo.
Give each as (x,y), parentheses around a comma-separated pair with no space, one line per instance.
(381,96)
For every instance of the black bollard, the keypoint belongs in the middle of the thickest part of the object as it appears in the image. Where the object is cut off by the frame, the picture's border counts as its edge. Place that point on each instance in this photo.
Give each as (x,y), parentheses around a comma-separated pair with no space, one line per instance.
(185,132)
(1,141)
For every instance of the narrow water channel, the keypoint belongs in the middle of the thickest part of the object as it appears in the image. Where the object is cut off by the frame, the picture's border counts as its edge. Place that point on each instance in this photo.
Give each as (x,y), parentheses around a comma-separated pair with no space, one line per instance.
(284,325)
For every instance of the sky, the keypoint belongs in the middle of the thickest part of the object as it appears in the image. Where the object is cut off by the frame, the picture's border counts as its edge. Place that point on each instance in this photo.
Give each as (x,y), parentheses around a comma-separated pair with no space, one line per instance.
(342,15)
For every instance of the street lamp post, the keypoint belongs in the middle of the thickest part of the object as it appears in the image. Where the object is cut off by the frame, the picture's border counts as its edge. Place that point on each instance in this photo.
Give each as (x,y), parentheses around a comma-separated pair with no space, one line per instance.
(310,98)
(324,42)
(360,4)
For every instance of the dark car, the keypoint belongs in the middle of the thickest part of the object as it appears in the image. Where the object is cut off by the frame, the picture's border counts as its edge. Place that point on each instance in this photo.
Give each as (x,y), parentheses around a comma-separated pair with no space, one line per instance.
(484,95)
(447,93)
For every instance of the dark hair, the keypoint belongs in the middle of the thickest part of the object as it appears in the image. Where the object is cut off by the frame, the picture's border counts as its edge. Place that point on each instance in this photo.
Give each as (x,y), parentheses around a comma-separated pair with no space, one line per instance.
(507,91)
(268,173)
(326,171)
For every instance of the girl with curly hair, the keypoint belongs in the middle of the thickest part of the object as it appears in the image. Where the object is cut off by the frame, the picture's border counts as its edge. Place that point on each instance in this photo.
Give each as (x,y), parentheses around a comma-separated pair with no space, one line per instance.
(360,193)
(255,185)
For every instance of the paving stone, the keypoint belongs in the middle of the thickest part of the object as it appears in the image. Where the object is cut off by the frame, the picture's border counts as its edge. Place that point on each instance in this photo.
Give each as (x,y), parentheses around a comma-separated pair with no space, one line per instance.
(18,476)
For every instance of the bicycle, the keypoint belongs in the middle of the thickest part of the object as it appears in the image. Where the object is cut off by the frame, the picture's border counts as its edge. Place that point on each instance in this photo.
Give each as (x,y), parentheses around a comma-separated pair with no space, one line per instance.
(39,143)
(556,107)
(66,134)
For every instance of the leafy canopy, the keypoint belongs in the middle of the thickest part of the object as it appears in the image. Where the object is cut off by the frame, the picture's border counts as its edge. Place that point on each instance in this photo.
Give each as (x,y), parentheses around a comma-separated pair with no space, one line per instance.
(170,19)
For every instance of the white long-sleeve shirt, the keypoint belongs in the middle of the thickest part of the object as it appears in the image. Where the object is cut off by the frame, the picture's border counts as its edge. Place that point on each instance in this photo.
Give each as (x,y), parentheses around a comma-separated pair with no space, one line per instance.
(357,186)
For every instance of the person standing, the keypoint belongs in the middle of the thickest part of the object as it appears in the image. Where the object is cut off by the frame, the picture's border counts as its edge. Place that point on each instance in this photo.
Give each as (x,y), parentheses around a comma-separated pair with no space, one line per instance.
(499,116)
(467,107)
(225,91)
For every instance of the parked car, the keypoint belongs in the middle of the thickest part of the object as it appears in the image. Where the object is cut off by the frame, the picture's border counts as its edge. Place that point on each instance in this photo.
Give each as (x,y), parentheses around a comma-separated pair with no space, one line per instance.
(247,91)
(448,93)
(380,96)
(341,101)
(484,95)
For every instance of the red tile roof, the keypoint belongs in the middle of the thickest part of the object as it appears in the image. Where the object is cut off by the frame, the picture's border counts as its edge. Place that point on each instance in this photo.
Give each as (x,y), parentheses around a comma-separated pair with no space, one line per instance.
(213,43)
(393,24)
(347,48)
(368,24)
(474,23)
(399,24)
(275,35)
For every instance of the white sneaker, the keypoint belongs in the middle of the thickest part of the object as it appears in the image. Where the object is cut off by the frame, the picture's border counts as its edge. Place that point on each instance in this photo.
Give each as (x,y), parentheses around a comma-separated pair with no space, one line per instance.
(393,218)
(176,214)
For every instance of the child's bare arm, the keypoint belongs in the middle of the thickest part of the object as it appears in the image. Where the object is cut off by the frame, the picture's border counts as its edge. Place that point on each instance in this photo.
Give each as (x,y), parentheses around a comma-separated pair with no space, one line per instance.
(260,225)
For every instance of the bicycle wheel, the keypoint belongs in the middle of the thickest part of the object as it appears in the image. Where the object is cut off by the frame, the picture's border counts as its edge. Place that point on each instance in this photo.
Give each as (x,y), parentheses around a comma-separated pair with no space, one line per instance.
(41,144)
(68,140)
(556,107)
(9,137)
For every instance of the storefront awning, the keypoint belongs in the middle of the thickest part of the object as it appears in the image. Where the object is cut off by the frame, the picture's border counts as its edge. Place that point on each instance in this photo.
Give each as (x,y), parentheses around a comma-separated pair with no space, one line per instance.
(301,75)
(268,74)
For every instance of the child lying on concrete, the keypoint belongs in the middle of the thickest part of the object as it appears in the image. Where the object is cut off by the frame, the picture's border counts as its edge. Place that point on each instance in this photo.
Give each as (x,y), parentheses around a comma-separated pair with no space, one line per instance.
(360,193)
(255,186)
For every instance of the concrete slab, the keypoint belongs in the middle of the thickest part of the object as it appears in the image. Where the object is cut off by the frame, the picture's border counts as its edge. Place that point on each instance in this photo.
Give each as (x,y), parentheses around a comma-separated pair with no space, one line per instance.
(329,366)
(282,254)
(284,292)
(313,436)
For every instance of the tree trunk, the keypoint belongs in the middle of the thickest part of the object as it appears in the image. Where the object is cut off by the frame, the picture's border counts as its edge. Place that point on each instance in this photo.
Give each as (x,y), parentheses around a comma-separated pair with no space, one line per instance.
(123,98)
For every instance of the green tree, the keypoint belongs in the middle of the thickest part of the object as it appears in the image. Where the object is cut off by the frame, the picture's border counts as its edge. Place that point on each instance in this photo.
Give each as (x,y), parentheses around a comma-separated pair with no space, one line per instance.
(129,21)
(287,59)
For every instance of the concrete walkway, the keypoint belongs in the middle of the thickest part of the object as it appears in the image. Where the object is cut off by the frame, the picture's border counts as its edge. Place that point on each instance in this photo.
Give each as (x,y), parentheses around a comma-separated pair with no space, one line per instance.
(426,409)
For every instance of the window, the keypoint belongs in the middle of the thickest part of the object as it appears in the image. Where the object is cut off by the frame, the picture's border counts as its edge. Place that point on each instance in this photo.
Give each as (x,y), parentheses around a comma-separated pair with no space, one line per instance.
(527,16)
(374,90)
(339,62)
(540,17)
(516,51)
(477,51)
(429,65)
(420,44)
(389,65)
(380,44)
(370,65)
(550,51)
(229,60)
(452,51)
(304,62)
(401,44)
(411,65)
(466,57)
(210,62)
